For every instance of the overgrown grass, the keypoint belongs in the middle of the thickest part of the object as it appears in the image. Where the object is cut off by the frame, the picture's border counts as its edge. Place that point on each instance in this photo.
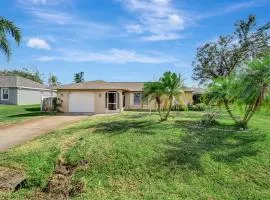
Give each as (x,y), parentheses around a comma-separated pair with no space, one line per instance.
(10,114)
(134,156)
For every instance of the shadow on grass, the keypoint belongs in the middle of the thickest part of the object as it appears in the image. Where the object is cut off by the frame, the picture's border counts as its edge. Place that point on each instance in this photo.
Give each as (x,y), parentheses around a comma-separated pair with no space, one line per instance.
(32,114)
(222,145)
(32,109)
(117,127)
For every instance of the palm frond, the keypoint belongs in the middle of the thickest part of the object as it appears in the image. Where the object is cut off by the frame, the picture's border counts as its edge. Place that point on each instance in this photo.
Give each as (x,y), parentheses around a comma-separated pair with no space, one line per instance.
(7,26)
(4,46)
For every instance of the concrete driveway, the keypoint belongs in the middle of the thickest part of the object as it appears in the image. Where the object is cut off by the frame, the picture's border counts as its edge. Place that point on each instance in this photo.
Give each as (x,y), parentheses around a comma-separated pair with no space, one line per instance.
(16,134)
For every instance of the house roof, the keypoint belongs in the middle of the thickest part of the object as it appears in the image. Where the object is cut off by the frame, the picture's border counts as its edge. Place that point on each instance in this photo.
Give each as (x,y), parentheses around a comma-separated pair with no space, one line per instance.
(103,85)
(17,81)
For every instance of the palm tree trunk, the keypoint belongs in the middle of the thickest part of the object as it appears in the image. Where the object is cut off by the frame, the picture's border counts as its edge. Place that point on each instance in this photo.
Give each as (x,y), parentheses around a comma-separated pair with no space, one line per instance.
(169,109)
(230,112)
(159,105)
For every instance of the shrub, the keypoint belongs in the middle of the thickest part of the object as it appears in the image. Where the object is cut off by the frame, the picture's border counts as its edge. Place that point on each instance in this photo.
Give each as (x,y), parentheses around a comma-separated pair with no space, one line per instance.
(180,107)
(197,107)
(56,104)
(197,98)
(209,119)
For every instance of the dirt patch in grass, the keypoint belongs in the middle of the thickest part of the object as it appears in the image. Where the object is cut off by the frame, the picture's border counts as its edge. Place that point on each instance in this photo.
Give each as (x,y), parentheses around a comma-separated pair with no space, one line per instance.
(11,179)
(60,184)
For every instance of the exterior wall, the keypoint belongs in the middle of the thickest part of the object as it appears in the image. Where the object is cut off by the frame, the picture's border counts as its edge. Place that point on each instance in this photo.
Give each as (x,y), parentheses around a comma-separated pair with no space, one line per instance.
(31,96)
(100,96)
(63,95)
(130,102)
(100,102)
(12,97)
(185,98)
(100,107)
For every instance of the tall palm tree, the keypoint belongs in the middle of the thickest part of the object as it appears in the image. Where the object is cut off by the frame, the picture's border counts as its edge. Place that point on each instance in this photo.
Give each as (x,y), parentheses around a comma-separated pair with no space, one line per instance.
(154,91)
(8,27)
(172,84)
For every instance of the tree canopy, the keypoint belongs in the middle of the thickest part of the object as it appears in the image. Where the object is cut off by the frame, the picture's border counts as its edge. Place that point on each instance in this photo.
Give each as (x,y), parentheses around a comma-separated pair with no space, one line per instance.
(33,75)
(79,77)
(169,85)
(220,58)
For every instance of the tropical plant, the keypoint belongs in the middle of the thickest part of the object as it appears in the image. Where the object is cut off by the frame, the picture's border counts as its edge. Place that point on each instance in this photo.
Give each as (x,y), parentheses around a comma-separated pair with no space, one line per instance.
(8,27)
(222,92)
(53,81)
(172,85)
(255,87)
(154,91)
(79,77)
(250,88)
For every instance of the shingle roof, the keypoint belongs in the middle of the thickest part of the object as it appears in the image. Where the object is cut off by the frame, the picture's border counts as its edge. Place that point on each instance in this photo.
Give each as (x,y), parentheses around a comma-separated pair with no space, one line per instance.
(103,85)
(17,81)
(94,85)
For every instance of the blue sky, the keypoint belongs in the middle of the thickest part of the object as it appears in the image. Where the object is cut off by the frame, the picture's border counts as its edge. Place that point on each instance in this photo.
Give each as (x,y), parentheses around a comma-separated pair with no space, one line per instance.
(120,40)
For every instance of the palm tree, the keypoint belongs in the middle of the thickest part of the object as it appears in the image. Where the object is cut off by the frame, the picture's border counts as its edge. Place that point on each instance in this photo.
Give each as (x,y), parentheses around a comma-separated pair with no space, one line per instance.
(172,84)
(154,91)
(222,92)
(251,88)
(8,27)
(255,90)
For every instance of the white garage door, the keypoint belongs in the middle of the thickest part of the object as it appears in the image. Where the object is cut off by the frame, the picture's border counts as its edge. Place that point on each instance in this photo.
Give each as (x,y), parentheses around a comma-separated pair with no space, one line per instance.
(81,102)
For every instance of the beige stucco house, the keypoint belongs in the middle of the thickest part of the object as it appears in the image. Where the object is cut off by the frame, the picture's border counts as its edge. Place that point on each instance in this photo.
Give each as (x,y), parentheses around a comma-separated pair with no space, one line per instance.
(107,97)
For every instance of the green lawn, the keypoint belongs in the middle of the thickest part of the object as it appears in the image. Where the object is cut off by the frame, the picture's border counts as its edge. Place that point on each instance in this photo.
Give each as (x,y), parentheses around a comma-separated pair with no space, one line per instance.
(134,156)
(10,114)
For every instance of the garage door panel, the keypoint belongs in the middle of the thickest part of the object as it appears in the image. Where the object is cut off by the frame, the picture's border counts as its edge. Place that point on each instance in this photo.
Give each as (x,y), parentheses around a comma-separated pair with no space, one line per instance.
(81,102)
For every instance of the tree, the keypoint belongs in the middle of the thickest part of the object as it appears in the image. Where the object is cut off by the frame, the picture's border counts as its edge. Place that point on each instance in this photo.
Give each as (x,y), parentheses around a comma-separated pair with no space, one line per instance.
(154,91)
(33,75)
(79,77)
(8,27)
(222,57)
(53,81)
(222,92)
(249,88)
(172,85)
(255,87)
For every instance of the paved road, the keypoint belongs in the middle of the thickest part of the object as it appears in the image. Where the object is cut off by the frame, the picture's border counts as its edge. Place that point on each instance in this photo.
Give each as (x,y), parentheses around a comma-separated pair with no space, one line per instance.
(16,134)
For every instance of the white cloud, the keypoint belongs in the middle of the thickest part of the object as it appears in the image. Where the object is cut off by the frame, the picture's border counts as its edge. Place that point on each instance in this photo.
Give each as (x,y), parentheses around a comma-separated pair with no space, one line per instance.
(52,17)
(234,7)
(40,2)
(162,37)
(156,18)
(111,56)
(134,28)
(67,23)
(175,19)
(38,43)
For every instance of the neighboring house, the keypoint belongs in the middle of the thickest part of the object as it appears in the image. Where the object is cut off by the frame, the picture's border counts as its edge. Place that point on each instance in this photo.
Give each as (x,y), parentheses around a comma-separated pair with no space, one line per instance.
(16,90)
(107,97)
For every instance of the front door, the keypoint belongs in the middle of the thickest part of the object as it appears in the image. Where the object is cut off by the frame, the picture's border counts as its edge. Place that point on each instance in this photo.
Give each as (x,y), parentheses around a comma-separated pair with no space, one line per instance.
(112,100)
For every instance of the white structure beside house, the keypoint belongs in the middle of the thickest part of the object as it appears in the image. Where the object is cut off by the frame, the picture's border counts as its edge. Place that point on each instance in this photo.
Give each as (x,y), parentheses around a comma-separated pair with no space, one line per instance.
(16,90)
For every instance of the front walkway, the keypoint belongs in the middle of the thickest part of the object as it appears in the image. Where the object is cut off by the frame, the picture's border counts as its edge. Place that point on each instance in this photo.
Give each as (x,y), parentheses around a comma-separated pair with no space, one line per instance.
(16,134)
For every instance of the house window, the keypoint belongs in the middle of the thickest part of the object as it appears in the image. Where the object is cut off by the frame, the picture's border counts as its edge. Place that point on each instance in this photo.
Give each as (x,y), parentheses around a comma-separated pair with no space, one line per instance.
(4,93)
(137,99)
